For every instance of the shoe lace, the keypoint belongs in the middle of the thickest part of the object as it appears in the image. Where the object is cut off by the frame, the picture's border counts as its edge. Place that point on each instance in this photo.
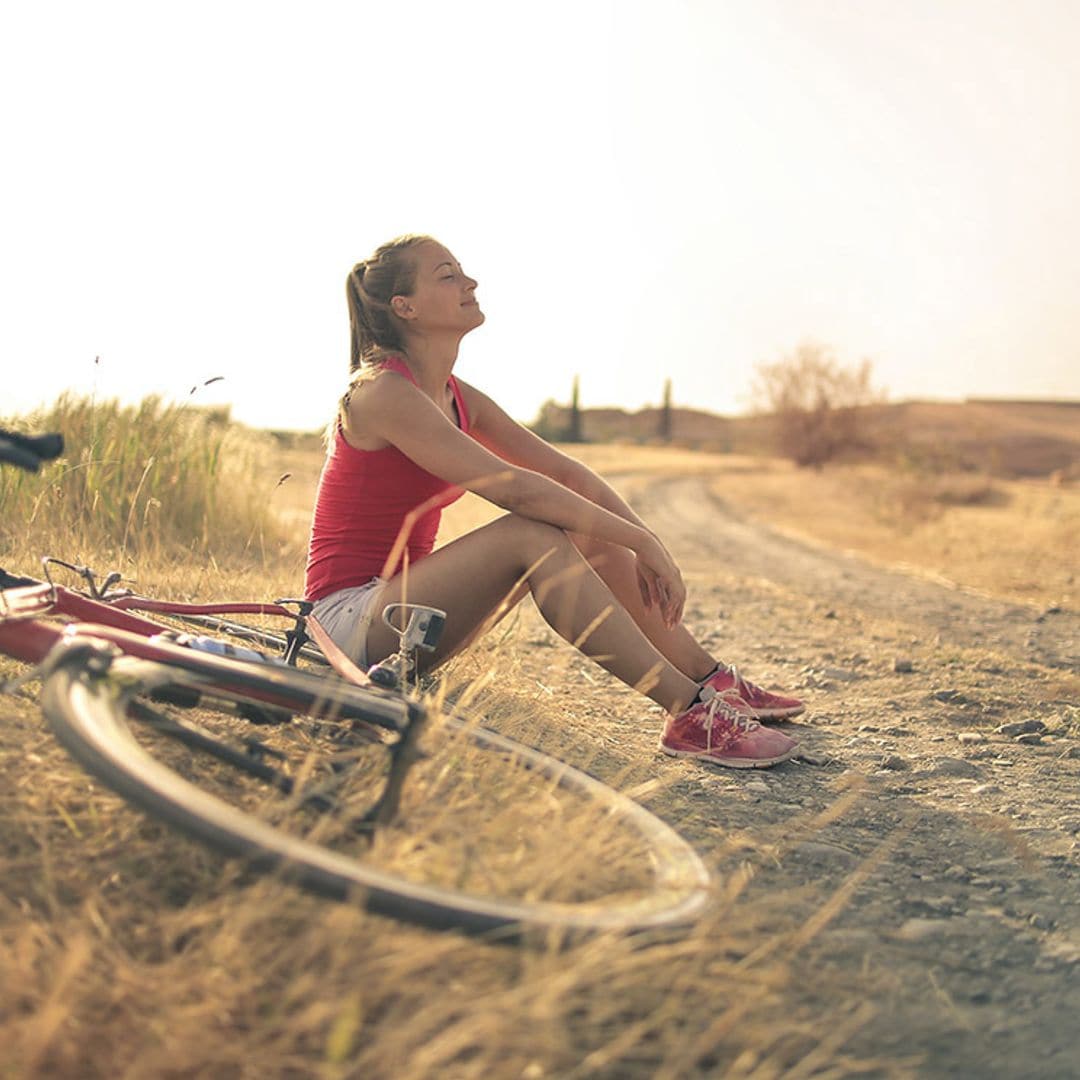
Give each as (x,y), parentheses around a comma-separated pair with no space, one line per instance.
(719,705)
(739,685)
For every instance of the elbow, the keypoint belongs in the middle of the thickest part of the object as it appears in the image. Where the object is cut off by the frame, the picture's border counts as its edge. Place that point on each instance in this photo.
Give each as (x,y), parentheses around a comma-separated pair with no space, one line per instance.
(523,492)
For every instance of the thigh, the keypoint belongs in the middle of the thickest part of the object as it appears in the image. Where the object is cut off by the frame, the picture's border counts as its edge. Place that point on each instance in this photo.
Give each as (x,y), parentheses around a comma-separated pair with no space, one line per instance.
(475,579)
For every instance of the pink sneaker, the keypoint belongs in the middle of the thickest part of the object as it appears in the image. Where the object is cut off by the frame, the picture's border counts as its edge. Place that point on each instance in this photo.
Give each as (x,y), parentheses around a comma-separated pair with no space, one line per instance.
(760,703)
(716,731)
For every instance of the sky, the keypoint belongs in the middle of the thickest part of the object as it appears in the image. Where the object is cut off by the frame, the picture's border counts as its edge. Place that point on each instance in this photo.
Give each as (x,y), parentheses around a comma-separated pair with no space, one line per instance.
(678,189)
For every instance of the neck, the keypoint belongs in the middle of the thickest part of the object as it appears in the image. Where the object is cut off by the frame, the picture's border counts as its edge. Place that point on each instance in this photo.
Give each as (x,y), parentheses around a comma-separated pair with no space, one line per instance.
(431,359)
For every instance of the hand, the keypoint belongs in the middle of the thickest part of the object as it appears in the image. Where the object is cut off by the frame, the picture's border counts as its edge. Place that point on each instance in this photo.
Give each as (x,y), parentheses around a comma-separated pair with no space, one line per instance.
(660,581)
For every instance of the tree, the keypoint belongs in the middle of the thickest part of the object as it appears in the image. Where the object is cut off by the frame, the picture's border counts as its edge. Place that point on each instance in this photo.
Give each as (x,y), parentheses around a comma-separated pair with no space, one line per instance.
(665,413)
(816,402)
(574,433)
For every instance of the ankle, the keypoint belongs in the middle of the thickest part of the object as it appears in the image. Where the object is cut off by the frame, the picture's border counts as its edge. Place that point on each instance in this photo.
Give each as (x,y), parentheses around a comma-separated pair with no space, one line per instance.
(716,666)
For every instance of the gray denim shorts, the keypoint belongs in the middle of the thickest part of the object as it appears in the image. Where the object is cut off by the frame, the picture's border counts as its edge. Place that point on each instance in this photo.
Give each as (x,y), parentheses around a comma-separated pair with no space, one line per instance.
(347,614)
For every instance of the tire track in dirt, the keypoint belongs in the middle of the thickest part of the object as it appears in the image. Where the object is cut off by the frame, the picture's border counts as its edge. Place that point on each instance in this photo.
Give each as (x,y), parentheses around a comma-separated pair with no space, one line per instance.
(698,524)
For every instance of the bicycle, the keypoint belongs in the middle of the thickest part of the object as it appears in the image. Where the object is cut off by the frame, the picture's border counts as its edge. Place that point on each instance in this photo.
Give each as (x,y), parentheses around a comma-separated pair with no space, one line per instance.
(116,678)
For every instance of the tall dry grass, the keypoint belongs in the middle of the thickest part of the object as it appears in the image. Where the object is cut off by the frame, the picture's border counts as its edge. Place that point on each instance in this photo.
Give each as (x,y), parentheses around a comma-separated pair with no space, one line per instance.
(128,951)
(145,484)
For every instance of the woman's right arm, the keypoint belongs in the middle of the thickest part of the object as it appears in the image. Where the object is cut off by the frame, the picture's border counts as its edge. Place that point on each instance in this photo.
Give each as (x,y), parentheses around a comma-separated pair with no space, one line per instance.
(393,409)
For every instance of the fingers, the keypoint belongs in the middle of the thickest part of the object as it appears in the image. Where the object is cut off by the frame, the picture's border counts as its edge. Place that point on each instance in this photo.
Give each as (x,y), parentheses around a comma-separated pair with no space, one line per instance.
(643,587)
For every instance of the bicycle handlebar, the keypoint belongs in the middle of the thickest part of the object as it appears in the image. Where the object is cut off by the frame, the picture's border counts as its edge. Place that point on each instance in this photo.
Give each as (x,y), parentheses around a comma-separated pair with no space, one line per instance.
(29,451)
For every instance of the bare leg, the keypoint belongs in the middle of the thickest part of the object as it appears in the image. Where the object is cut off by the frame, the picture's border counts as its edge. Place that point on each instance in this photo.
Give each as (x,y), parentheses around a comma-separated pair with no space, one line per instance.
(616,566)
(477,577)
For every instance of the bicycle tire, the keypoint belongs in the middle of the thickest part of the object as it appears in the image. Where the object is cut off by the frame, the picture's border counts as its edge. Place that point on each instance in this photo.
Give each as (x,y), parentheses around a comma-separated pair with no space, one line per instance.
(87,710)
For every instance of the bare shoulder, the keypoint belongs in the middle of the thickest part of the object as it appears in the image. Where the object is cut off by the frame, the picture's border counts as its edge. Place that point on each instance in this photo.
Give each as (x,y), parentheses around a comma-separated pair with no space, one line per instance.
(368,402)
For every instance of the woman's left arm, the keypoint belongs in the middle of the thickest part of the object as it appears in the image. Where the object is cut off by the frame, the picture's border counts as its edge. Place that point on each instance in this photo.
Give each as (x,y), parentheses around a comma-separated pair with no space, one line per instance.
(513,442)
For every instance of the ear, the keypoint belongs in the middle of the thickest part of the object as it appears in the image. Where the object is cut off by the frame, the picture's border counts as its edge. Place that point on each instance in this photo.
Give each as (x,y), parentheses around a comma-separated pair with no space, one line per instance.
(402,307)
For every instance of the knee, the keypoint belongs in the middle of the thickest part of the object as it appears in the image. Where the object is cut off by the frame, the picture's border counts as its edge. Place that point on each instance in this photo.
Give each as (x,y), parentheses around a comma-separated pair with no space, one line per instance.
(535,539)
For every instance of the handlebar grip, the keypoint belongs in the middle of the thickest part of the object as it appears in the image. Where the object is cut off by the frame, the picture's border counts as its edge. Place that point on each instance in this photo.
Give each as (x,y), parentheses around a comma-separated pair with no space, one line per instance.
(29,451)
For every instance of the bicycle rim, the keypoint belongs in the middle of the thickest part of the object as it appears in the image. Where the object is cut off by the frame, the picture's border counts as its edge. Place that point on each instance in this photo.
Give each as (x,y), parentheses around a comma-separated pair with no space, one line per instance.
(89,715)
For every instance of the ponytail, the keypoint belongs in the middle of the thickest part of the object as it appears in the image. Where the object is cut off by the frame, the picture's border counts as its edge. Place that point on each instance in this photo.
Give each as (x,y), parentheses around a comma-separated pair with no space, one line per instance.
(372,283)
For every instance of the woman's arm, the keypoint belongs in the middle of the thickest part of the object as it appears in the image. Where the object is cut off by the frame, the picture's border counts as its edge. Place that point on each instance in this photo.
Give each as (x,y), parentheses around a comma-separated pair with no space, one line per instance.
(515,443)
(392,409)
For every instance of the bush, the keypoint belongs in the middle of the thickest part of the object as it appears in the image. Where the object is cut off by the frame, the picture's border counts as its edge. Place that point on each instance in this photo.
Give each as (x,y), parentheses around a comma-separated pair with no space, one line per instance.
(816,404)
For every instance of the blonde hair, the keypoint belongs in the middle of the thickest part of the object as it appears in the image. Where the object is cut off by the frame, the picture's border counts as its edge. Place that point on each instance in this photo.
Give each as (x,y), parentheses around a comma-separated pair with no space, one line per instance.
(375,330)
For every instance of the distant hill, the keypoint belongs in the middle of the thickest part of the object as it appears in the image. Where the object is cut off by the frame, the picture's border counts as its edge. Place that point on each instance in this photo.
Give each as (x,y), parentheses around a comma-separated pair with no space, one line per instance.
(1006,438)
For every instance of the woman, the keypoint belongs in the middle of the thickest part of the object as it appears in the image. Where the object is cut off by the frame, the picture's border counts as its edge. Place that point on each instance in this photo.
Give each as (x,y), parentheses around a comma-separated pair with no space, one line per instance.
(410,437)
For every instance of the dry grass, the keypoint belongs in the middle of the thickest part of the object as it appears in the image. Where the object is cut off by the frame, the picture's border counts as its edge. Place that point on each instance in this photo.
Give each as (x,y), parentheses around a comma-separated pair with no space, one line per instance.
(127,951)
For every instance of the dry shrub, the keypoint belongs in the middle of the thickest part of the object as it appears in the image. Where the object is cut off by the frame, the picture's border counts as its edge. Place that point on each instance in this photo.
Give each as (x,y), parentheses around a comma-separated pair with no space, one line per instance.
(817,404)
(915,492)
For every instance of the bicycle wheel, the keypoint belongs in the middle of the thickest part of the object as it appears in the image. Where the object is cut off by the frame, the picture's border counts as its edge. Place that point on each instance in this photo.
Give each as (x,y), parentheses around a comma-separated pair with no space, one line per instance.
(492,835)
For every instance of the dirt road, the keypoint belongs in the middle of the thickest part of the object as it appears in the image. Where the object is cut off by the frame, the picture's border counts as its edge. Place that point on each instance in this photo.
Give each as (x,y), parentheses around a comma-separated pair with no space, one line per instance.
(958,948)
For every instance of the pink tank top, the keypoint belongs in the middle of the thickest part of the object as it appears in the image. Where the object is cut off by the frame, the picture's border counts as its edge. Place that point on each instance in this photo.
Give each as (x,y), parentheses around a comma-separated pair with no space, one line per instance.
(361,507)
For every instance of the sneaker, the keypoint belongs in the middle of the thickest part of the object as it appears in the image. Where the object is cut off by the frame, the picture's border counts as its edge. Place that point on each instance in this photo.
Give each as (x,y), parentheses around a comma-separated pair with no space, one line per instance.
(760,703)
(715,730)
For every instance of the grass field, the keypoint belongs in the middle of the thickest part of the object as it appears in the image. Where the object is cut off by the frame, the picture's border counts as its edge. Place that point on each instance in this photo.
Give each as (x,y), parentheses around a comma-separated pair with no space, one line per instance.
(126,951)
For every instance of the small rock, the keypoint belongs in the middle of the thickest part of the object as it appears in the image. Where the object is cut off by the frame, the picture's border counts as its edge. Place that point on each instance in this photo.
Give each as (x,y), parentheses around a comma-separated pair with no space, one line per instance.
(924,929)
(956,873)
(812,758)
(948,766)
(868,727)
(818,851)
(985,789)
(898,732)
(759,787)
(1030,738)
(840,674)
(894,763)
(1003,761)
(1020,727)
(949,696)
(902,665)
(970,738)
(1072,753)
(830,614)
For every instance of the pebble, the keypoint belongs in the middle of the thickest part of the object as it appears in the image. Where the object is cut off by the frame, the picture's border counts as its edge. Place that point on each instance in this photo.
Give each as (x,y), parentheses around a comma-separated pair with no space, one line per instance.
(902,665)
(985,789)
(970,738)
(924,929)
(949,696)
(1030,738)
(894,763)
(948,766)
(759,787)
(818,851)
(811,758)
(840,674)
(1020,727)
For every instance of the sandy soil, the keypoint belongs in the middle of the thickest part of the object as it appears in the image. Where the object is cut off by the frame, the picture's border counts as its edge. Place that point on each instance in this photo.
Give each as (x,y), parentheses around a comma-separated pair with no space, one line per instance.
(954,872)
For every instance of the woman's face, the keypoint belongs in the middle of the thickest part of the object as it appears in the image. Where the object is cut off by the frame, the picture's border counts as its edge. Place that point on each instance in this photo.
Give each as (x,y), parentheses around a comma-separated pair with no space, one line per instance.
(444,296)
